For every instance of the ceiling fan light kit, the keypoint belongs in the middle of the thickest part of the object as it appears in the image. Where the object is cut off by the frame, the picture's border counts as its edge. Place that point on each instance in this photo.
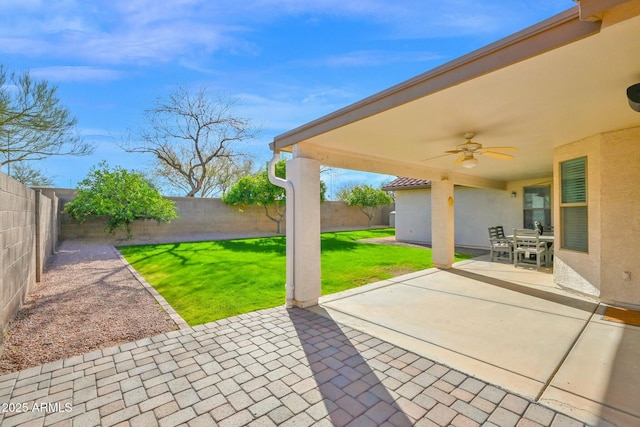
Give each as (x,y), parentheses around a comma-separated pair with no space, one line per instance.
(469,162)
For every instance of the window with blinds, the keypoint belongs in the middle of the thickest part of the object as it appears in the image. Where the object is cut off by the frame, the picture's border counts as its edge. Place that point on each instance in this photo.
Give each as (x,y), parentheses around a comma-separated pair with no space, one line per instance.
(573,205)
(537,206)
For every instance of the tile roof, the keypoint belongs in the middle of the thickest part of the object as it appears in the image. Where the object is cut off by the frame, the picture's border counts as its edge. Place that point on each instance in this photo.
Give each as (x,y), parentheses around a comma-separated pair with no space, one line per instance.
(402,183)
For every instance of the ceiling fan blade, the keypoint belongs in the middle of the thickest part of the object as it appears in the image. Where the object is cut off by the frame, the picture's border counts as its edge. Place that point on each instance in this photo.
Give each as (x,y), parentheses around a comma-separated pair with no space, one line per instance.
(512,149)
(495,155)
(436,157)
(454,151)
(459,160)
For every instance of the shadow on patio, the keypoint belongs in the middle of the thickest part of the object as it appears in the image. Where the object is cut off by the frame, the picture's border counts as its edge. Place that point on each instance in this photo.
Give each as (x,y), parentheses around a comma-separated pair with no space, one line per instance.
(351,391)
(512,327)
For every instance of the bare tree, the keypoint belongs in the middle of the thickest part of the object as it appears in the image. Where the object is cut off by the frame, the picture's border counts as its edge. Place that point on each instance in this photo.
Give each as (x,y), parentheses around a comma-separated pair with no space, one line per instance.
(29,175)
(222,173)
(228,173)
(34,124)
(193,136)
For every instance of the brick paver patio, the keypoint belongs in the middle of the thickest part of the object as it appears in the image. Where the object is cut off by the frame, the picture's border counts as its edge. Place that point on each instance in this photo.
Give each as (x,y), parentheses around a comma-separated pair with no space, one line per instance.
(272,367)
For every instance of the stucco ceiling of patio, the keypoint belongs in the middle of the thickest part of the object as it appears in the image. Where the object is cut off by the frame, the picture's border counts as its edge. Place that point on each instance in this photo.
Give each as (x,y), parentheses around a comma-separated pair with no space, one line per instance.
(559,95)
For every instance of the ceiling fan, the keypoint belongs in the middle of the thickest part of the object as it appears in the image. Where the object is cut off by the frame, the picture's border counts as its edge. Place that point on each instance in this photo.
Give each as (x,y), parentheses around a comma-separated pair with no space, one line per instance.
(470,148)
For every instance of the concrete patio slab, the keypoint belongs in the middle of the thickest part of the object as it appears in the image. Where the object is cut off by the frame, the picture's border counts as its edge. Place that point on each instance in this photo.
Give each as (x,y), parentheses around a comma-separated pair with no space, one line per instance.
(511,327)
(601,376)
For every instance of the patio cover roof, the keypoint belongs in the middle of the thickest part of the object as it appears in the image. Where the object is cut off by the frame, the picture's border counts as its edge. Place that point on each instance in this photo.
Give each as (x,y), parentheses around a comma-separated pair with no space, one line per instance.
(559,81)
(404,183)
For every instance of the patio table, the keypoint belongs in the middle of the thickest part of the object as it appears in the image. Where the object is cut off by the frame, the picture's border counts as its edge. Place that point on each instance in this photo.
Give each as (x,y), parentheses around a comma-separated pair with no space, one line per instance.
(548,239)
(543,238)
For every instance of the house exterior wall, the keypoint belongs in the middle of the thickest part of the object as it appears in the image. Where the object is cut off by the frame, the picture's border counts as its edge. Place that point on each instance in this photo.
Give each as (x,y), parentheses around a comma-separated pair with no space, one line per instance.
(413,215)
(613,165)
(620,216)
(576,270)
(476,210)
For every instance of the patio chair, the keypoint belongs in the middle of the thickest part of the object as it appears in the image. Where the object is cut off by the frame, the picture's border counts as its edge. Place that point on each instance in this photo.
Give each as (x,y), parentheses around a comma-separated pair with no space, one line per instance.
(526,243)
(498,243)
(541,230)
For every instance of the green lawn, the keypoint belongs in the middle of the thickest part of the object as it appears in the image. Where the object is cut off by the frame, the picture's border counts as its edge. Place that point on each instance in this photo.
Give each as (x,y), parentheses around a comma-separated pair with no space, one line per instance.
(207,281)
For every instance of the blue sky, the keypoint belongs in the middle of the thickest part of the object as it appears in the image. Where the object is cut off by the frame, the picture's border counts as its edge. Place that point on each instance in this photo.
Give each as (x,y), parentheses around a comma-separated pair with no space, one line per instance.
(287,61)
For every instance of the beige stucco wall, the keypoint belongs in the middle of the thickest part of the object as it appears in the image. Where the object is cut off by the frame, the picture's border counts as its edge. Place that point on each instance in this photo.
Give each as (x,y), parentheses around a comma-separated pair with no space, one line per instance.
(476,210)
(613,162)
(621,216)
(413,215)
(577,270)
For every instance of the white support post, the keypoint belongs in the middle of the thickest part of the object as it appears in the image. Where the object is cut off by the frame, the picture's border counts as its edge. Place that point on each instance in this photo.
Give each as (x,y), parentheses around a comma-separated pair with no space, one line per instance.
(442,223)
(303,231)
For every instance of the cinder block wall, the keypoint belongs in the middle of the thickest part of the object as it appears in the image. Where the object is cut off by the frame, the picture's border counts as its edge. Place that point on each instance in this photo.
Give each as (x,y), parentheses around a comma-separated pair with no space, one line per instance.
(46,228)
(52,223)
(25,243)
(198,215)
(18,245)
(335,215)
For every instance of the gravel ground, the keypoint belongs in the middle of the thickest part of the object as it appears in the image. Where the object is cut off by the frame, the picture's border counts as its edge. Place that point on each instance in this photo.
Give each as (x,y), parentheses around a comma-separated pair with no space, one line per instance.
(88,299)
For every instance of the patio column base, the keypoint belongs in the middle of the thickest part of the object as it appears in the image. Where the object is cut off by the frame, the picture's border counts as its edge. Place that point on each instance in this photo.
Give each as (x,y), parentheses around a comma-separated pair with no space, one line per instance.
(302,304)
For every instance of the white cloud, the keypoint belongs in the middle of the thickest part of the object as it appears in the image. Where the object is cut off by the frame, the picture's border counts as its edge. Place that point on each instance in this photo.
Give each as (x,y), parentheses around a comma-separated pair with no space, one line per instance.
(291,107)
(112,32)
(413,18)
(149,31)
(136,45)
(368,58)
(76,73)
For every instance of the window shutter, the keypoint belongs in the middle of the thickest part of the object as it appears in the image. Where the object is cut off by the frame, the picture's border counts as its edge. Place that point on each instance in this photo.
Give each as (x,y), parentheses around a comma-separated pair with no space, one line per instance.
(574,181)
(575,234)
(574,209)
